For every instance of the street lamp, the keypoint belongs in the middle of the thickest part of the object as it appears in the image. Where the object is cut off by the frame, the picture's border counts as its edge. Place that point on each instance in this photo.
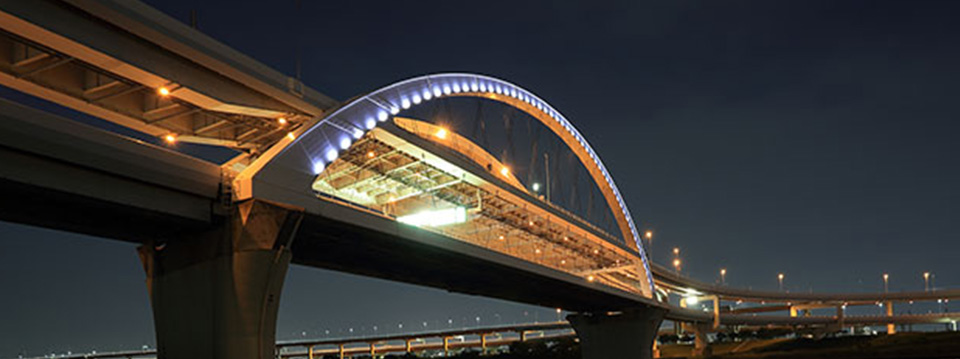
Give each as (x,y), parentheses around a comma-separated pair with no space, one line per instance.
(723,276)
(926,281)
(780,279)
(886,280)
(649,236)
(676,264)
(676,251)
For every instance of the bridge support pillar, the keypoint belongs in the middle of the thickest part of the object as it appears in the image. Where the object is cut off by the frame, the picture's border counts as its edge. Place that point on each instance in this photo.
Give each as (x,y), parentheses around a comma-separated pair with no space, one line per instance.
(215,294)
(891,328)
(701,346)
(628,334)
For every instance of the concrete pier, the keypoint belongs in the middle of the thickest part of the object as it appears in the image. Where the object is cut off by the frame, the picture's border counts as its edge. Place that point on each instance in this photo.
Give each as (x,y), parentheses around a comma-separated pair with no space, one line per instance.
(628,334)
(216,294)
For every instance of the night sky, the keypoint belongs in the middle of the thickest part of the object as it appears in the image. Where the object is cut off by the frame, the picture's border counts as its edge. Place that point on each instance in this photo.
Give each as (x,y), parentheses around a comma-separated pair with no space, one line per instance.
(817,139)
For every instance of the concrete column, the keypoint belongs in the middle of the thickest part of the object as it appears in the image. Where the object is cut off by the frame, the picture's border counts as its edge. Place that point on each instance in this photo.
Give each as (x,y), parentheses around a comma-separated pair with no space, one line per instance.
(701,346)
(840,314)
(622,335)
(215,294)
(891,328)
(716,312)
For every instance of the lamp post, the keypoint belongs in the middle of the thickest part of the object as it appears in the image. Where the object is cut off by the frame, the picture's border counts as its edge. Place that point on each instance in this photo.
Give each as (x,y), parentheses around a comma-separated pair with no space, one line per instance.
(926,281)
(676,265)
(649,236)
(886,280)
(723,276)
(780,279)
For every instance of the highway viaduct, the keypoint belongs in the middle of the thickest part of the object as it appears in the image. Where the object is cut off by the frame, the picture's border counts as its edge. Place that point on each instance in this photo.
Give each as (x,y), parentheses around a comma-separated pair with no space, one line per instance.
(216,240)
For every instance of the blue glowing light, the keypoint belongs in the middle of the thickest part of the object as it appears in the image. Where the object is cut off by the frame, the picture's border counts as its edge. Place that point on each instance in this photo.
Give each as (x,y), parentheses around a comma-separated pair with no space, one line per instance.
(344,143)
(371,123)
(416,99)
(382,116)
(331,155)
(317,167)
(357,133)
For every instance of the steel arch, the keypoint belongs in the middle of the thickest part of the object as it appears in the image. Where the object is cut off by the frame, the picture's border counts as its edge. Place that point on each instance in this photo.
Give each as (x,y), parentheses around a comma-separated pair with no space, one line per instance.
(303,154)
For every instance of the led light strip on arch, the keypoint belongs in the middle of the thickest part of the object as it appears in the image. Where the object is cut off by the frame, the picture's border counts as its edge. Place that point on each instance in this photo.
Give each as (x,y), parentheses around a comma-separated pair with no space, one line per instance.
(324,142)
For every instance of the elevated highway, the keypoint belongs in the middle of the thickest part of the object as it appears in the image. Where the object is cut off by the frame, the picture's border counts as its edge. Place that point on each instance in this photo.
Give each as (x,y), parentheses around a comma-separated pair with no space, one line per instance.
(668,279)
(348,186)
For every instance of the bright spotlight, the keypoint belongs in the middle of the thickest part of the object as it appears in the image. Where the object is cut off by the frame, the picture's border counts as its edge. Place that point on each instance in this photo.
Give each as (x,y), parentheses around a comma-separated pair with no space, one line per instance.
(331,155)
(171,138)
(505,171)
(371,123)
(382,116)
(405,104)
(441,133)
(435,218)
(692,300)
(344,143)
(163,91)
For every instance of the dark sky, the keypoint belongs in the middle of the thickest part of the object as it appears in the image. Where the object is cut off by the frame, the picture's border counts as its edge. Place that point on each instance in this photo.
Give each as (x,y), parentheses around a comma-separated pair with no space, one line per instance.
(817,139)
